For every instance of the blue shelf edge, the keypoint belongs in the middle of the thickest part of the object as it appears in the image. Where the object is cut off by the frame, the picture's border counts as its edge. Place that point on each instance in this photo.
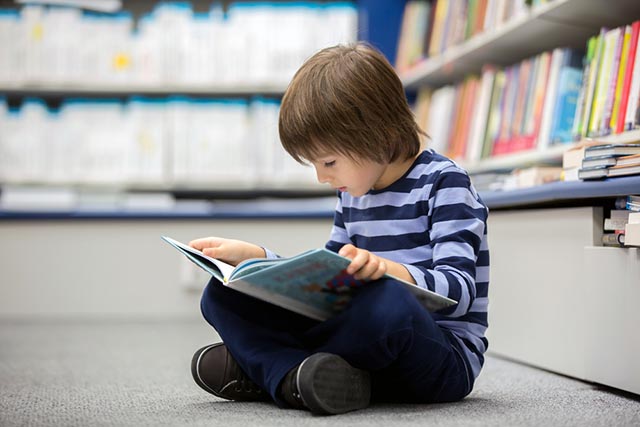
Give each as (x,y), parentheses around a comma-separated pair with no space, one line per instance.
(256,209)
(548,194)
(557,192)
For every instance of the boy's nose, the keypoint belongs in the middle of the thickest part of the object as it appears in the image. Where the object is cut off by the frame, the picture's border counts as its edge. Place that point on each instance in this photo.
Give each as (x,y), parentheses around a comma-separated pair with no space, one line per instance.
(321,177)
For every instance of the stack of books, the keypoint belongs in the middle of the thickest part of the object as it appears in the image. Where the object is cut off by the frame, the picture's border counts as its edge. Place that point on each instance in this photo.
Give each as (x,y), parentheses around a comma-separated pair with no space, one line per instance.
(622,227)
(610,160)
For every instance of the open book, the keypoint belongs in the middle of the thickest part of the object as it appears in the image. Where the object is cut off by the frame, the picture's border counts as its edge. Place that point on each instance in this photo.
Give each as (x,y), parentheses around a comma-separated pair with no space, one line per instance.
(313,283)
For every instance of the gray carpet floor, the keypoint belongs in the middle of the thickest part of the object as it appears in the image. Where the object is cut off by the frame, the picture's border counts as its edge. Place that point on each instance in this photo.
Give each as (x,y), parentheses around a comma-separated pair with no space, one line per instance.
(136,373)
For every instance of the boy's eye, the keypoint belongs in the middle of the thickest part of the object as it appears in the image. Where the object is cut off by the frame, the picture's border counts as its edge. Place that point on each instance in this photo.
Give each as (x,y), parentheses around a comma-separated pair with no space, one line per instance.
(329,164)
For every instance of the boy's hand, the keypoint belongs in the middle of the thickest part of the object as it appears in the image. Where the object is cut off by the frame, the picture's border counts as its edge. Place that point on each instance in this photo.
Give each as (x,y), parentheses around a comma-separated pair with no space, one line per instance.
(228,250)
(364,265)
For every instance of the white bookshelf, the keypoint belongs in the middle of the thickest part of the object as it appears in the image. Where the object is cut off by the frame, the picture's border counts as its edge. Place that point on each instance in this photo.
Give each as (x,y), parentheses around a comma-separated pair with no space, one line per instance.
(79,89)
(557,23)
(550,155)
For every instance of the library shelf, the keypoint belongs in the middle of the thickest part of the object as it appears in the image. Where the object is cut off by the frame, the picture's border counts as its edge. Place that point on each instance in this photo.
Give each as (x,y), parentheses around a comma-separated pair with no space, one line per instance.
(562,193)
(548,155)
(123,90)
(557,23)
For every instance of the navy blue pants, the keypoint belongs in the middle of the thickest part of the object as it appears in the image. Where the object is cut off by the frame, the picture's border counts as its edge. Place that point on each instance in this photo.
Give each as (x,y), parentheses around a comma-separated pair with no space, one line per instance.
(383,330)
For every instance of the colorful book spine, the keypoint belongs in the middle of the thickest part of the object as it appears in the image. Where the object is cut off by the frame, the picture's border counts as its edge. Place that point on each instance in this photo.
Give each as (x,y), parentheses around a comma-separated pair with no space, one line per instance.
(628,74)
(624,56)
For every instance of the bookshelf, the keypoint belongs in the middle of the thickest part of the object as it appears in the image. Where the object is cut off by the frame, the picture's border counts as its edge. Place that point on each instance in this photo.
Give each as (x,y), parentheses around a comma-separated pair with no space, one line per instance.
(156,65)
(515,48)
(544,27)
(550,155)
(124,90)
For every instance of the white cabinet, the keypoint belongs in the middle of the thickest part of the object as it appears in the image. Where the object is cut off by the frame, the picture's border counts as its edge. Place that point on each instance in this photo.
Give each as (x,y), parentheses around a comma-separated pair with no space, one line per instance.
(561,302)
(612,292)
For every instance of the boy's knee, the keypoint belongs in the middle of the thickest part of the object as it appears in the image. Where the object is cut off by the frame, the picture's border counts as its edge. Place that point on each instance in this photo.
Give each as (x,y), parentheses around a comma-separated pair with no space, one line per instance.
(385,302)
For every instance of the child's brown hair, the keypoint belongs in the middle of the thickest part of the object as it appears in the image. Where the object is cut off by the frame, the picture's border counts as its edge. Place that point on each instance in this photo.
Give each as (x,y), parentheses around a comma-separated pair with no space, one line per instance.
(348,100)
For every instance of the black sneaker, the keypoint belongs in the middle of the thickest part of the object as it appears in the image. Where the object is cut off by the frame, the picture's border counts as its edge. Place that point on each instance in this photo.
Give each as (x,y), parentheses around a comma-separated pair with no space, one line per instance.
(216,371)
(325,383)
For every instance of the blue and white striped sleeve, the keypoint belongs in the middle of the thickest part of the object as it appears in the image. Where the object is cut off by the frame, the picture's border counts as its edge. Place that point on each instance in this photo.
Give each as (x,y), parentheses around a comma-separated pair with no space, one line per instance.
(457,225)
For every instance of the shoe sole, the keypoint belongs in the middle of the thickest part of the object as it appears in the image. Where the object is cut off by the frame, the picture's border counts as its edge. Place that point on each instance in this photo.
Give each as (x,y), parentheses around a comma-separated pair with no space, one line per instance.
(329,385)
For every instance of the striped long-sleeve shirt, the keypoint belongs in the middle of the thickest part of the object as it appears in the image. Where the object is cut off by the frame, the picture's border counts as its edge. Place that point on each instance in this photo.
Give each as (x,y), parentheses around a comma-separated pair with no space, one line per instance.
(434,223)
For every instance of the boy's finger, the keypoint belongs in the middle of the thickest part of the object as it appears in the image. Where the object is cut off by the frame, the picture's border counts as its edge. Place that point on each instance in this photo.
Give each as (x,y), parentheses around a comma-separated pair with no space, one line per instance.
(205,242)
(348,251)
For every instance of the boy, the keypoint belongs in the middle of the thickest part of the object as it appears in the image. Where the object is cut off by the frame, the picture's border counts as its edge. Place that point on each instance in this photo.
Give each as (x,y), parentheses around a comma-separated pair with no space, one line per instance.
(401,210)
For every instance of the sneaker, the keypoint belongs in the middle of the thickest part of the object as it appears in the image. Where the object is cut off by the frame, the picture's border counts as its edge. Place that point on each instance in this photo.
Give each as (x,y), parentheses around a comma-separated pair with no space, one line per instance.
(325,383)
(216,371)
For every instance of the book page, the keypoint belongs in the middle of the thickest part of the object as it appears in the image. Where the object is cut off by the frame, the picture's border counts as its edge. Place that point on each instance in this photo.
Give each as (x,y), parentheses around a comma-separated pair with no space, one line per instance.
(219,269)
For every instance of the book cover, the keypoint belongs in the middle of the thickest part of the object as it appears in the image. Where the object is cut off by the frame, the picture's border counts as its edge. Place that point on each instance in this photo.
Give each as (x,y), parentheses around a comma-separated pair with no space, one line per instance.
(622,67)
(599,161)
(573,156)
(440,10)
(507,107)
(532,129)
(440,116)
(544,136)
(313,283)
(480,118)
(628,74)
(569,83)
(466,114)
(516,142)
(632,160)
(596,172)
(617,39)
(631,119)
(495,114)
(624,170)
(603,82)
(406,27)
(426,42)
(583,104)
(525,132)
(592,91)
(612,150)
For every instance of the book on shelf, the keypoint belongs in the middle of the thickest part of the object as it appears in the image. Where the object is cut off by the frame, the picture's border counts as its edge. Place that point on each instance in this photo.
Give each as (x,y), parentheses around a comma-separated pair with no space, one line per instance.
(414,31)
(632,160)
(631,118)
(313,283)
(495,113)
(480,119)
(574,156)
(585,97)
(608,38)
(596,172)
(599,161)
(632,230)
(612,150)
(612,160)
(628,74)
(619,82)
(537,175)
(566,98)
(616,44)
(631,203)
(623,171)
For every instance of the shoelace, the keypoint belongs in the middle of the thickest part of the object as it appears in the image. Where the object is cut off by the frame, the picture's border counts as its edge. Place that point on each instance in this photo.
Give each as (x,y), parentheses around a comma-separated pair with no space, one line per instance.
(243,382)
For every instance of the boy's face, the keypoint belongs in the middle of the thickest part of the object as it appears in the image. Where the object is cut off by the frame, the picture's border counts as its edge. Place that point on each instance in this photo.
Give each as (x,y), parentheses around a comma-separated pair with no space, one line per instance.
(345,174)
